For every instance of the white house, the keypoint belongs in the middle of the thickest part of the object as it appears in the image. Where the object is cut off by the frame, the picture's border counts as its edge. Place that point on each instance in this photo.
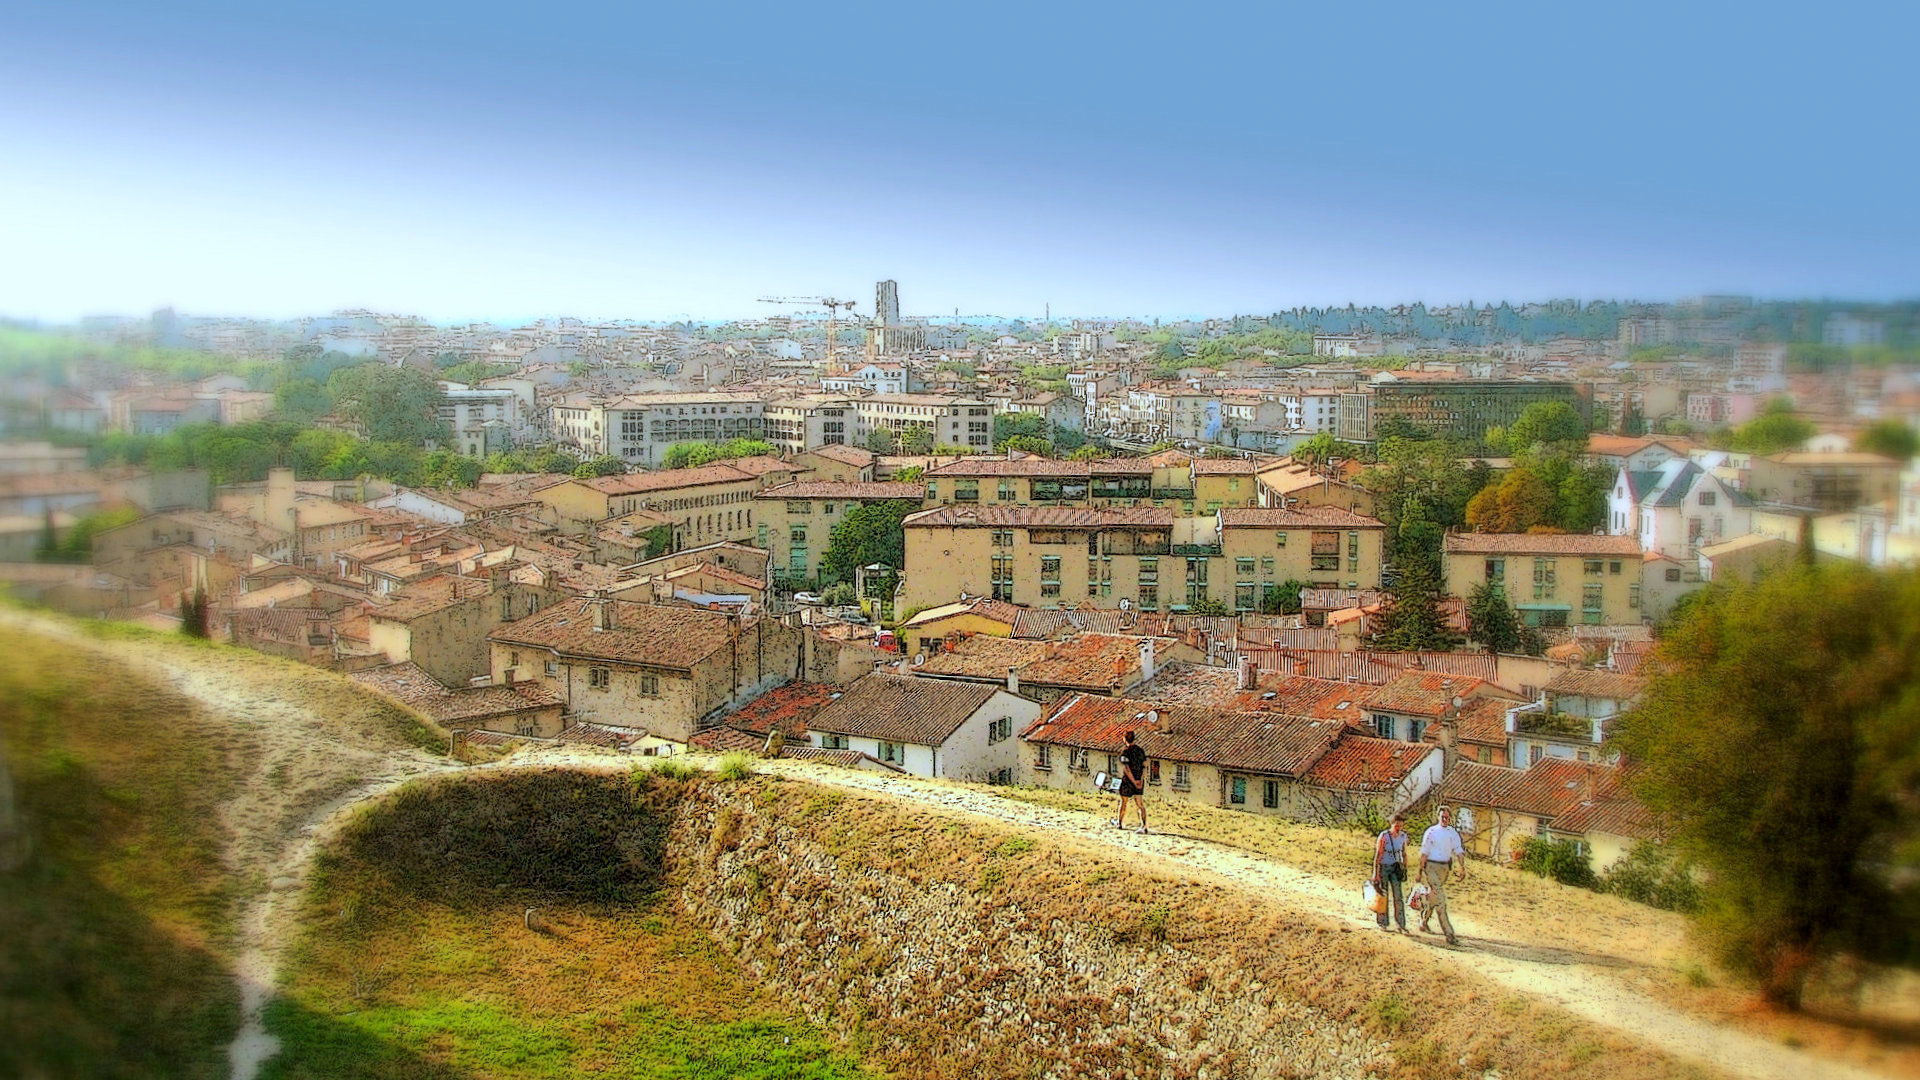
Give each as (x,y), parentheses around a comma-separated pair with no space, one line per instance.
(929,727)
(876,378)
(1677,508)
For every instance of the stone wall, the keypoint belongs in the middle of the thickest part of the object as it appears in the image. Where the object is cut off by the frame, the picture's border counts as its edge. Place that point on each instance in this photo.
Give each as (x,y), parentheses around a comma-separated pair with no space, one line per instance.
(952,950)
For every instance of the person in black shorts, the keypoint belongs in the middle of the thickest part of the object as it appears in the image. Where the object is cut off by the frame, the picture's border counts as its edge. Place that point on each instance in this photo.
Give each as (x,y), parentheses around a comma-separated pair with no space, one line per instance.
(1133,779)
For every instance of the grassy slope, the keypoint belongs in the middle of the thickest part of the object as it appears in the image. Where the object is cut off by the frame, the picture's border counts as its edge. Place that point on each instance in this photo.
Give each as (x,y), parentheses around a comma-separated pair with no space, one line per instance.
(111,935)
(417,962)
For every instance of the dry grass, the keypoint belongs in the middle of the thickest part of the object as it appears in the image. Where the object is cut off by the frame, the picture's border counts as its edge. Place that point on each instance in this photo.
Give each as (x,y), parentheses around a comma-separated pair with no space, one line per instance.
(419,960)
(112,934)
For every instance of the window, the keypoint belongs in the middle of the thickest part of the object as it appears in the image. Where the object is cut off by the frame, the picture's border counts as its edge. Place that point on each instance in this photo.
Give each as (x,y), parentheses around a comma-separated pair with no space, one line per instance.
(1633,596)
(513,659)
(1237,794)
(650,685)
(1326,551)
(1149,571)
(599,678)
(1243,596)
(1706,498)
(1077,758)
(1534,754)
(1544,572)
(1496,571)
(1266,566)
(1042,756)
(891,751)
(1003,538)
(1113,765)
(1279,539)
(506,609)
(833,742)
(1153,772)
(1180,778)
(1149,598)
(1590,604)
(1613,567)
(1673,573)
(1000,729)
(1270,794)
(553,669)
(1593,567)
(1243,567)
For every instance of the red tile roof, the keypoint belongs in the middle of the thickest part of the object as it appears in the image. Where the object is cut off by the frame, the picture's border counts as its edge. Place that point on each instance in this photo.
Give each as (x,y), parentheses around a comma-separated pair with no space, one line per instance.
(1041,517)
(1421,693)
(1541,544)
(1584,682)
(668,479)
(1361,762)
(652,635)
(1097,662)
(1299,517)
(850,491)
(787,707)
(1246,742)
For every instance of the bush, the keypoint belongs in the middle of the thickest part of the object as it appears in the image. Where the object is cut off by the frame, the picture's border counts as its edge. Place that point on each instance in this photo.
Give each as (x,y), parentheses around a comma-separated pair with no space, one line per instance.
(1562,860)
(672,768)
(1650,874)
(735,766)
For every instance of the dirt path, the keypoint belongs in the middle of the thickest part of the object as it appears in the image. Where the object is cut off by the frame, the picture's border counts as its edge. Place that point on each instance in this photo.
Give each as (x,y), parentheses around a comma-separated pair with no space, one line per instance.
(1576,981)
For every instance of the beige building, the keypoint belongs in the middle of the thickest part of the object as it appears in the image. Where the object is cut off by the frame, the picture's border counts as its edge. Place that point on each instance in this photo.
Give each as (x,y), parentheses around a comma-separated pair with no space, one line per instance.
(810,421)
(640,428)
(1037,481)
(705,504)
(800,518)
(947,421)
(441,624)
(1070,556)
(1830,482)
(661,669)
(842,464)
(1550,579)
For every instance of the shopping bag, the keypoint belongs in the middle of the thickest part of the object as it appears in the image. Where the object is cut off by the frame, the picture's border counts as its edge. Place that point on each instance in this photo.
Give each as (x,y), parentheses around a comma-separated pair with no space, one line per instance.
(1417,899)
(1375,899)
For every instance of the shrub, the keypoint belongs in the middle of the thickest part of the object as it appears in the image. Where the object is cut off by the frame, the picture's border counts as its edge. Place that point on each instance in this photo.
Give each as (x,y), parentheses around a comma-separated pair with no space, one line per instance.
(1562,860)
(1650,874)
(735,766)
(1389,1013)
(672,768)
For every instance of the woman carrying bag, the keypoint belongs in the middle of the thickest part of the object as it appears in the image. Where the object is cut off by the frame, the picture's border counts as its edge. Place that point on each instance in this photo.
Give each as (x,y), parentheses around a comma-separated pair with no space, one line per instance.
(1390,871)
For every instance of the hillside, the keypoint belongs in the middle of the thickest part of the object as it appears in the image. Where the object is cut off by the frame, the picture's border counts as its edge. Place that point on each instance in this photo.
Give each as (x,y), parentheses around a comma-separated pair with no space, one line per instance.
(185,803)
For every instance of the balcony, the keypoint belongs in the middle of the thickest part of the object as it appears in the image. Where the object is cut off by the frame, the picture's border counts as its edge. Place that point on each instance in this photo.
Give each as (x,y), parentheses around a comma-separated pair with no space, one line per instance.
(1197,550)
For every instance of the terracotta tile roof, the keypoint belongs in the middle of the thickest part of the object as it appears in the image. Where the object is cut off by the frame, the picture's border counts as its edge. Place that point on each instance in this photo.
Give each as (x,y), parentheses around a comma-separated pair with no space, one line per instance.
(845,758)
(1361,762)
(1097,662)
(762,464)
(1299,517)
(668,479)
(904,709)
(1422,693)
(1206,466)
(652,635)
(1541,544)
(850,455)
(430,595)
(1340,599)
(605,736)
(722,739)
(1009,517)
(1378,668)
(1039,466)
(1292,637)
(1483,722)
(1587,682)
(409,684)
(850,491)
(1246,742)
(1546,789)
(787,707)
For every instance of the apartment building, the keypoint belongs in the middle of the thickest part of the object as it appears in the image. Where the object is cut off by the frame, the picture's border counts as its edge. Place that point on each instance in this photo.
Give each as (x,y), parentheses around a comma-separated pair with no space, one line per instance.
(705,504)
(1830,482)
(1461,409)
(799,519)
(1677,508)
(639,428)
(1038,481)
(807,422)
(1141,557)
(1544,576)
(947,421)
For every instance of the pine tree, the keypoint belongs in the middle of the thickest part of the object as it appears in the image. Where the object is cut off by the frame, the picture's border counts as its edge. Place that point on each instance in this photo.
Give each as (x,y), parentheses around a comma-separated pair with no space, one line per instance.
(1413,622)
(1492,621)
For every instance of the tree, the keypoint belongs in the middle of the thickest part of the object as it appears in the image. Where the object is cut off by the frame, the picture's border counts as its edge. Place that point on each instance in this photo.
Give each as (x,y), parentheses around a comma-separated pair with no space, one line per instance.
(1491,620)
(1780,745)
(1546,422)
(1067,439)
(1890,438)
(694,454)
(1009,425)
(1770,434)
(1088,452)
(1412,622)
(1521,501)
(869,533)
(916,440)
(883,441)
(1207,605)
(1323,448)
(393,404)
(1028,444)
(600,465)
(911,474)
(1282,599)
(193,613)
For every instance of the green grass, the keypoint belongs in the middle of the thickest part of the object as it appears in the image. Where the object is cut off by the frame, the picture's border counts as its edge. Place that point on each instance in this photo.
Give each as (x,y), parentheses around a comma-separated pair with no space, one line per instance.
(113,932)
(417,960)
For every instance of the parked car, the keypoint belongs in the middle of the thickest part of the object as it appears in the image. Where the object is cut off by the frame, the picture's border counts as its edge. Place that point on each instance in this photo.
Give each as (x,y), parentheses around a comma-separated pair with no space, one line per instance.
(807,598)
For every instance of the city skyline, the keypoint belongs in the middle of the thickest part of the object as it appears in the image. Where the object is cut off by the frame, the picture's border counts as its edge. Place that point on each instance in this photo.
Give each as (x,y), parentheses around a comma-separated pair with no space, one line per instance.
(502,167)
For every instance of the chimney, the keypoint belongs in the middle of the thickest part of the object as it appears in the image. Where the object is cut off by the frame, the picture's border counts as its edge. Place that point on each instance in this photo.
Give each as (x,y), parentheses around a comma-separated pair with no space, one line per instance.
(1248,672)
(1013,680)
(1586,785)
(604,616)
(1146,659)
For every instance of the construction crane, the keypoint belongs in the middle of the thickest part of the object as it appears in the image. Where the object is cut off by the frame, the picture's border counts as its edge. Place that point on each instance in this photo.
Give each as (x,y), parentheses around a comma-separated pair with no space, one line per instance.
(833,314)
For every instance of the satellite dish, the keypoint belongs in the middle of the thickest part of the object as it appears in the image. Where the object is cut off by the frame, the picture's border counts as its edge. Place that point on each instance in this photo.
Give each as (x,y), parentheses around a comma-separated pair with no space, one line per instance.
(1125,604)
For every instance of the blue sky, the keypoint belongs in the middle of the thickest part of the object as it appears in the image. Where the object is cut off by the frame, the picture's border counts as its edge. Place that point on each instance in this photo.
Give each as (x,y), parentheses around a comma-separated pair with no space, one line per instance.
(509,162)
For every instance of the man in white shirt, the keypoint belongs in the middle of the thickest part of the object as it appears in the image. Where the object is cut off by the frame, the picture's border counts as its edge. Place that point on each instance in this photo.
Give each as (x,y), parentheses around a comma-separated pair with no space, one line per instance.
(1440,852)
